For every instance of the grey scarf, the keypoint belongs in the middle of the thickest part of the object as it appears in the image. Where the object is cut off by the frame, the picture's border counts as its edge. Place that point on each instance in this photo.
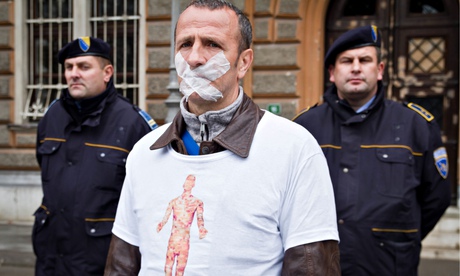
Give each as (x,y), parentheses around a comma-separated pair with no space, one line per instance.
(210,124)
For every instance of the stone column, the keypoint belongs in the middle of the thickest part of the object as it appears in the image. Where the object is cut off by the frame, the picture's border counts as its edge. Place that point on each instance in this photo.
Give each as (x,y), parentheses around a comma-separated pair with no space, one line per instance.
(173,100)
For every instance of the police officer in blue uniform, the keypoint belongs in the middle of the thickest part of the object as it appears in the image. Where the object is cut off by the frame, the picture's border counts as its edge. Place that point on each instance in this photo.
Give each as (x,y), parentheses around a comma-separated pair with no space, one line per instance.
(82,145)
(386,159)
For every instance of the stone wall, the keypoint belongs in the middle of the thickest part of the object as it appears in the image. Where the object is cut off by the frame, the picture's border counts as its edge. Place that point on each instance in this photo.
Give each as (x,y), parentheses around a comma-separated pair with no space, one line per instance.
(6,69)
(276,69)
(21,195)
(16,144)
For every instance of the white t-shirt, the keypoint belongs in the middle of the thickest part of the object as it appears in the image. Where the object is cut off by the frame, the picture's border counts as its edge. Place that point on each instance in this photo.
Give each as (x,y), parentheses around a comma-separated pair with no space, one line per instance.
(253,208)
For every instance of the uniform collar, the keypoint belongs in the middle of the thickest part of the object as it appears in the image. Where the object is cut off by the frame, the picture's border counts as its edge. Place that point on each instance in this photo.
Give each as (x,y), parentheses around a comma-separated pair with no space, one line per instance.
(344,110)
(236,137)
(87,111)
(366,105)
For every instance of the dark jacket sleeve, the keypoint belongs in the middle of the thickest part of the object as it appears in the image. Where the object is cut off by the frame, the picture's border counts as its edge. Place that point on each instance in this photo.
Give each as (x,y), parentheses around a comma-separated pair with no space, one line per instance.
(434,195)
(123,259)
(39,137)
(318,258)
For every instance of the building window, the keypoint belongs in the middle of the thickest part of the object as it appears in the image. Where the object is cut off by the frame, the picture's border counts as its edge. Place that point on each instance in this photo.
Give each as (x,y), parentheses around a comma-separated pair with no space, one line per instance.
(51,25)
(359,8)
(426,6)
(117,22)
(426,55)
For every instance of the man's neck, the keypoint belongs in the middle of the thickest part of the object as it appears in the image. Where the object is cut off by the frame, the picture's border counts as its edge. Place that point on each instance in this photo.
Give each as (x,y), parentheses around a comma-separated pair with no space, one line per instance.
(199,106)
(358,104)
(214,121)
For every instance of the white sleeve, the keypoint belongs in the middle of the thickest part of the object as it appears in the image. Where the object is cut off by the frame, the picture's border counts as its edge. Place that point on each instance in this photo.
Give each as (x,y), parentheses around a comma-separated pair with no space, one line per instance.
(125,226)
(308,213)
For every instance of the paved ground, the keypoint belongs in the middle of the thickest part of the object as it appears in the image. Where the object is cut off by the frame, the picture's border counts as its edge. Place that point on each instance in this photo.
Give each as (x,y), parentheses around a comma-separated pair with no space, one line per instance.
(16,255)
(17,258)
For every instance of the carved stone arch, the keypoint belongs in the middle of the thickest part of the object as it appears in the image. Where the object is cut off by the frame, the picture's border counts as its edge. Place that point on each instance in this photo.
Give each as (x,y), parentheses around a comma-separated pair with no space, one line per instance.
(313,51)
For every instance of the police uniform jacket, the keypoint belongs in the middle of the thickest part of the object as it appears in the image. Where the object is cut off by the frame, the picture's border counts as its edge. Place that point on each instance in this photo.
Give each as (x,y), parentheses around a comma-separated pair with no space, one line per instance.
(389,192)
(81,149)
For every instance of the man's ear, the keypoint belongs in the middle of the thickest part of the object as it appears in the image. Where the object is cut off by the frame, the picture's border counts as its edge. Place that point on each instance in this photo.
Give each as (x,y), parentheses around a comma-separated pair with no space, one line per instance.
(381,68)
(331,73)
(108,72)
(244,62)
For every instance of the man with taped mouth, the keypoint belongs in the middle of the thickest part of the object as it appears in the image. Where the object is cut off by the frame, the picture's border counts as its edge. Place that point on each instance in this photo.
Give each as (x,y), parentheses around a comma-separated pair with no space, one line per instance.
(265,196)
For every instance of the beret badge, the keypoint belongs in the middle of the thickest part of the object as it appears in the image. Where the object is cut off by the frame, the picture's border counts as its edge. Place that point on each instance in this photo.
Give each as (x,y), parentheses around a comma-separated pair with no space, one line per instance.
(374,33)
(84,43)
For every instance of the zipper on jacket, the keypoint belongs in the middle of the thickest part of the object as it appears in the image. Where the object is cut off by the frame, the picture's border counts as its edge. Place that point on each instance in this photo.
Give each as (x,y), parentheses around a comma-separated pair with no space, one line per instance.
(203,132)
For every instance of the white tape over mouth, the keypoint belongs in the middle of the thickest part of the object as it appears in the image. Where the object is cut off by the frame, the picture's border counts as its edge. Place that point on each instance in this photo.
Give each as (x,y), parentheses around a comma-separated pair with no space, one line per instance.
(199,79)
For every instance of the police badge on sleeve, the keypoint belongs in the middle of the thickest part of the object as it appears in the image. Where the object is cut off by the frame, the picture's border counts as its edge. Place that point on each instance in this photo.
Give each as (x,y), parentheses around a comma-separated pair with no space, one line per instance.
(440,159)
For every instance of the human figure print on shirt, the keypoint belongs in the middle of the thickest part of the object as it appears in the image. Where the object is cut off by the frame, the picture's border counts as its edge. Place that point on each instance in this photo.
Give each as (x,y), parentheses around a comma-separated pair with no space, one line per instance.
(183,208)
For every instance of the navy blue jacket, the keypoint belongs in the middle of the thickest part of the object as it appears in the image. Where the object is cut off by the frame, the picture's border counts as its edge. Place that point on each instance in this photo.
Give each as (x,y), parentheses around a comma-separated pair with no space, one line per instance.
(82,150)
(389,192)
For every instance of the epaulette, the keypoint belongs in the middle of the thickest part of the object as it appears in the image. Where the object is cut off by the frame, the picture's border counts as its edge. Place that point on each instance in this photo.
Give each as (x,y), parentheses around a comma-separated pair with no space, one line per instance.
(303,111)
(421,111)
(149,120)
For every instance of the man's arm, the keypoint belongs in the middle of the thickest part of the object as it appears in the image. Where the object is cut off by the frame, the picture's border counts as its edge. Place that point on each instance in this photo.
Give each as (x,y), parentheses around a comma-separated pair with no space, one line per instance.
(318,258)
(166,217)
(434,191)
(123,259)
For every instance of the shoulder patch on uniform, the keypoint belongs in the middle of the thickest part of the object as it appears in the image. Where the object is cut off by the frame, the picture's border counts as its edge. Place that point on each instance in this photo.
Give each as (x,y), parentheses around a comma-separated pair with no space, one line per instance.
(421,111)
(149,120)
(303,111)
(440,159)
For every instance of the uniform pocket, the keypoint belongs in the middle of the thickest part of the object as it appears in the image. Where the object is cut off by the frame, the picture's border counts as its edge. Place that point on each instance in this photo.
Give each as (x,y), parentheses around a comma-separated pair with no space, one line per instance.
(112,156)
(395,155)
(111,169)
(98,227)
(397,250)
(47,150)
(99,232)
(40,231)
(395,171)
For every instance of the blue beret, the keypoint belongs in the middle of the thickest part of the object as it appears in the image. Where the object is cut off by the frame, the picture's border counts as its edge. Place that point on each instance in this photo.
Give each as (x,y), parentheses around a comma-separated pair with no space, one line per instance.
(355,38)
(85,46)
